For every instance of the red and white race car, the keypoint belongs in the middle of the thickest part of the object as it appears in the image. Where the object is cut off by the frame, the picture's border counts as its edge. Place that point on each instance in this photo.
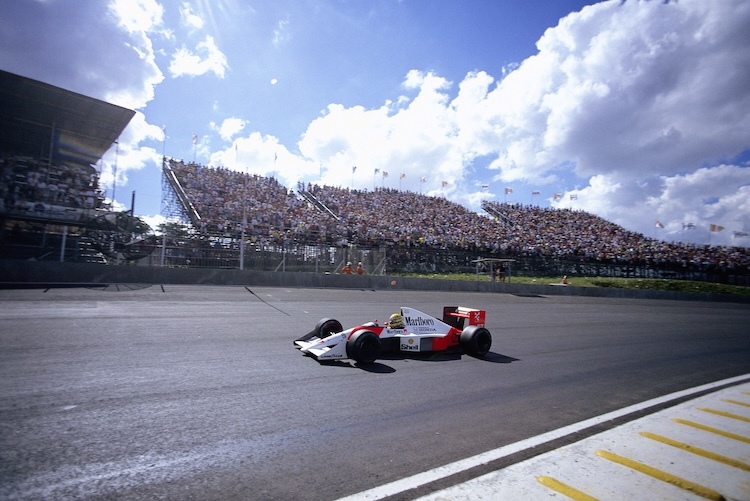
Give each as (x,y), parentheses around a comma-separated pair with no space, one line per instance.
(414,332)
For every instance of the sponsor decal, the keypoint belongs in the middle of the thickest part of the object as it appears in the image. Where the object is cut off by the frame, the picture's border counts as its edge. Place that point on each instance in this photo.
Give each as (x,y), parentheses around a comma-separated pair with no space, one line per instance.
(409,344)
(421,325)
(418,321)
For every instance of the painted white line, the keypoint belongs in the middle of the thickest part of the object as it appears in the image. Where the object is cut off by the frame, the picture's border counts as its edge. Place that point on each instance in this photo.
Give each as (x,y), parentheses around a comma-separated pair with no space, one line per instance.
(440,472)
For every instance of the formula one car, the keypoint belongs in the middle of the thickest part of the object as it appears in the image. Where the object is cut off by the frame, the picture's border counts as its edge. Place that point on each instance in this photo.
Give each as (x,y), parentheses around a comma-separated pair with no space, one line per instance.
(409,330)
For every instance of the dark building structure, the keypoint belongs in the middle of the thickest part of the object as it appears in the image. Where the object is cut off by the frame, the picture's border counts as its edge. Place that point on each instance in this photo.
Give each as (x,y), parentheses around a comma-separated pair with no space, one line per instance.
(51,205)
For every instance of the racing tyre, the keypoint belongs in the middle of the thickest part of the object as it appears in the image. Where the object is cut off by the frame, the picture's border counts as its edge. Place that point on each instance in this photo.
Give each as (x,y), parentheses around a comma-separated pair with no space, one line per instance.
(324,328)
(476,340)
(363,347)
(328,326)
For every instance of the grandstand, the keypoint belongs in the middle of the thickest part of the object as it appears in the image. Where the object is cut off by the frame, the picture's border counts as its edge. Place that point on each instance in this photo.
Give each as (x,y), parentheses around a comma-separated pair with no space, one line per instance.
(51,204)
(430,233)
(52,207)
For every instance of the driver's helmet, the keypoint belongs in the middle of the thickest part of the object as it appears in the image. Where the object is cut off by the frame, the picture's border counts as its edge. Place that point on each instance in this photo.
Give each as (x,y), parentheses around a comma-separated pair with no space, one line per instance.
(396,321)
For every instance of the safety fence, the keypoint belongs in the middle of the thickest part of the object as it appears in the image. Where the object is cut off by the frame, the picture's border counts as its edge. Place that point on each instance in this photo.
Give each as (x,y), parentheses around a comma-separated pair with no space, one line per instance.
(391,260)
(287,256)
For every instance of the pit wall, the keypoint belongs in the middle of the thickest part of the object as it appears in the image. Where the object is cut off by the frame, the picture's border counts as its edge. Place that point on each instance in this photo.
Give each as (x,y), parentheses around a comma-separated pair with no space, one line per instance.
(43,274)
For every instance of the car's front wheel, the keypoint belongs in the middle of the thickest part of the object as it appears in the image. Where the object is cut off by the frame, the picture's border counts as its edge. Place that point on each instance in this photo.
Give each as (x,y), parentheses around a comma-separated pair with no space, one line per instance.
(324,328)
(328,326)
(476,340)
(363,347)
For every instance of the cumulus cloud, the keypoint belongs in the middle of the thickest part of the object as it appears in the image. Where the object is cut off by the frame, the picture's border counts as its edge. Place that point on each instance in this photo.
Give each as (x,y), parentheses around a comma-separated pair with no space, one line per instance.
(626,100)
(640,108)
(628,89)
(189,18)
(415,137)
(229,127)
(206,58)
(265,156)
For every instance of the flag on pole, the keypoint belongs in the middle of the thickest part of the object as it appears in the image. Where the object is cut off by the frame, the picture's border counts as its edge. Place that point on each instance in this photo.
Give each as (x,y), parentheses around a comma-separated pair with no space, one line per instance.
(445,183)
(376,171)
(485,186)
(658,224)
(557,196)
(385,174)
(574,197)
(423,179)
(716,227)
(508,190)
(535,193)
(738,234)
(354,169)
(402,176)
(195,138)
(688,226)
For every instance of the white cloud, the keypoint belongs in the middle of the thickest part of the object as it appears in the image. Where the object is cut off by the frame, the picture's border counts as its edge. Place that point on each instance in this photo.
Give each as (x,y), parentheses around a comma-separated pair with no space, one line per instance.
(138,16)
(630,98)
(281,33)
(263,155)
(206,58)
(229,128)
(189,18)
(416,137)
(128,155)
(629,88)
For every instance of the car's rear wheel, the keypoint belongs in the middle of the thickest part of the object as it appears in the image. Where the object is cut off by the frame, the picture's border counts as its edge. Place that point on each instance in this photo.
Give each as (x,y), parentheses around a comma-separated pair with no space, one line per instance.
(476,340)
(363,347)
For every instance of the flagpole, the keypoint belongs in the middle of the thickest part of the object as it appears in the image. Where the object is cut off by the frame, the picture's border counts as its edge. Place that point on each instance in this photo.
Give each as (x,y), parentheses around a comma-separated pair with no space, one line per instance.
(244,210)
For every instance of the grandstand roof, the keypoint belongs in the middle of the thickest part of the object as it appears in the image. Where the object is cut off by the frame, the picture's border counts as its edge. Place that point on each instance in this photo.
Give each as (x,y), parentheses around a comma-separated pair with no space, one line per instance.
(36,117)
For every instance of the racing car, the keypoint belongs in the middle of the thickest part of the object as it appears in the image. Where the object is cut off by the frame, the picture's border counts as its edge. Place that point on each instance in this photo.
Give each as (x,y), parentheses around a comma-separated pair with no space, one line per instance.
(409,331)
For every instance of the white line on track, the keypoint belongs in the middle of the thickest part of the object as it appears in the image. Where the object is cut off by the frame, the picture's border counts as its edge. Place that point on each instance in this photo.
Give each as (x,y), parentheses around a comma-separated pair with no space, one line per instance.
(444,471)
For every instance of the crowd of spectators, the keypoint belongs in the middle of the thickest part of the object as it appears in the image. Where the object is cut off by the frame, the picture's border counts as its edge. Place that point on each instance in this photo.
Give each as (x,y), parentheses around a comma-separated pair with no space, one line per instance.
(28,185)
(407,220)
(225,198)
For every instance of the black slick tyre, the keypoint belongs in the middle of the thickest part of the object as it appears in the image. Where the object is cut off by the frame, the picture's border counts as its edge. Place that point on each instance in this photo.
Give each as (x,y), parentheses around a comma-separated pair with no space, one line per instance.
(475,341)
(328,326)
(363,347)
(324,328)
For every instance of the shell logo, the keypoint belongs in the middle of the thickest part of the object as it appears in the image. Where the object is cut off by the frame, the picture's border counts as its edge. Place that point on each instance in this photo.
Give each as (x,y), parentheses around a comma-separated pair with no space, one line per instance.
(410,341)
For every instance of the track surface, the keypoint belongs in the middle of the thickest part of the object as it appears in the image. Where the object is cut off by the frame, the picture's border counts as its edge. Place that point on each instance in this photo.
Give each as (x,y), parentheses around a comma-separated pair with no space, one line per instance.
(194,392)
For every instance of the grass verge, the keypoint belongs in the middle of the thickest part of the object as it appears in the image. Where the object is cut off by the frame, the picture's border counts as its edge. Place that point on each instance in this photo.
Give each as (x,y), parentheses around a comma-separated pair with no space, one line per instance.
(624,283)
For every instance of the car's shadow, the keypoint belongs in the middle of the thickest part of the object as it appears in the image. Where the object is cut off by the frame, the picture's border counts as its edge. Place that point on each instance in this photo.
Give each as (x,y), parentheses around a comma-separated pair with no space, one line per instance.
(380,368)
(498,358)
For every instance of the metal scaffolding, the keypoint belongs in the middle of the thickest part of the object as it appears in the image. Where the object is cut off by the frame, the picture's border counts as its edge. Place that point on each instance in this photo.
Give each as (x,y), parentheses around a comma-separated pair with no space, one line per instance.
(171,205)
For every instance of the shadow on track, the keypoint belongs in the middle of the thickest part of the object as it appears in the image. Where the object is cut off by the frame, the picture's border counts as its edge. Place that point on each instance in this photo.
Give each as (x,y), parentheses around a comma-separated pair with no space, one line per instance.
(381,368)
(498,358)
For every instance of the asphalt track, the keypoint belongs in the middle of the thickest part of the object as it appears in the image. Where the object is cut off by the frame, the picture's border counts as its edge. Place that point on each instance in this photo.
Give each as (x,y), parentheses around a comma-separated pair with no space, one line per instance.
(195,392)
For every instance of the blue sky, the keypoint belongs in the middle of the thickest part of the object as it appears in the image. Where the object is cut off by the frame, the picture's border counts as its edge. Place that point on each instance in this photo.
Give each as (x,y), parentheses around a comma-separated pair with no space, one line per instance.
(637,111)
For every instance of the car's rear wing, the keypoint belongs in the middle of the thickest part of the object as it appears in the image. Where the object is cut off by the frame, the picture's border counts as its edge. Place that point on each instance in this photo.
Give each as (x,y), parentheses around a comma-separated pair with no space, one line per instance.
(457,316)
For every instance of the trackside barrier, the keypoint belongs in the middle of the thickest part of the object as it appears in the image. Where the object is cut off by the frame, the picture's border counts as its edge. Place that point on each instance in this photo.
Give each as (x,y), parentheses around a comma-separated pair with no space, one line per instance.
(15,273)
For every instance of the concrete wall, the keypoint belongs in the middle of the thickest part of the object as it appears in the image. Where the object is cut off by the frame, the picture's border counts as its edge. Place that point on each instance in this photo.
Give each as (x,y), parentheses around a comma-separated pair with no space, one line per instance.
(54,274)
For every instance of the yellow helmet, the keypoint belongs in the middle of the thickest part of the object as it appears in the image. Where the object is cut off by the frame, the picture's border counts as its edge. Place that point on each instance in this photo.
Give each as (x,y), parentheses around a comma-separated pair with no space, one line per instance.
(396,321)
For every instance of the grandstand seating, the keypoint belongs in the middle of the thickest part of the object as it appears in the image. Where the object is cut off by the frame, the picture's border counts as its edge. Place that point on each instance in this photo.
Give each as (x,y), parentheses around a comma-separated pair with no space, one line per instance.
(28,185)
(334,215)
